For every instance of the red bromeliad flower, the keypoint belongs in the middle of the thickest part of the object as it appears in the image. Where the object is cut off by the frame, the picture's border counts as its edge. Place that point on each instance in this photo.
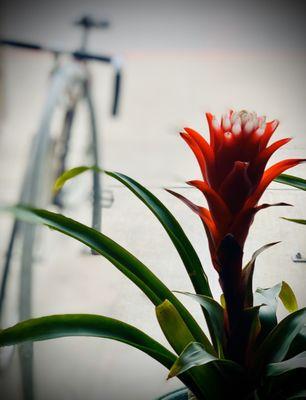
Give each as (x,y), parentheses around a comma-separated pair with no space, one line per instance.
(234,179)
(234,175)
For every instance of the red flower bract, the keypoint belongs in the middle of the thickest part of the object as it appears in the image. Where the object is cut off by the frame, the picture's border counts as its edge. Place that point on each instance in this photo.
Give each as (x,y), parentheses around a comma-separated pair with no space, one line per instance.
(234,177)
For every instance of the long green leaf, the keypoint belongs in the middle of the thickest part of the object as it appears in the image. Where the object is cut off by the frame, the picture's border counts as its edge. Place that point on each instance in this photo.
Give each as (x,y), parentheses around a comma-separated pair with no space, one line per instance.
(275,369)
(297,221)
(177,235)
(276,345)
(291,180)
(174,230)
(177,334)
(215,314)
(128,264)
(56,326)
(248,272)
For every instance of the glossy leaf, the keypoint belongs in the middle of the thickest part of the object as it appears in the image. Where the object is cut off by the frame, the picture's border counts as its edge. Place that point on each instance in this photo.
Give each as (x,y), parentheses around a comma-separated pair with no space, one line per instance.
(276,345)
(288,298)
(194,355)
(179,394)
(56,326)
(215,314)
(218,377)
(177,235)
(173,326)
(128,264)
(299,343)
(275,369)
(291,180)
(269,298)
(248,272)
(222,301)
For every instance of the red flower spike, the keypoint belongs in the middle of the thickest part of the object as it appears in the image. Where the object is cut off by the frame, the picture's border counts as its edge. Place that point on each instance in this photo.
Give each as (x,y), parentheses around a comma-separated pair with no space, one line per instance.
(234,179)
(232,166)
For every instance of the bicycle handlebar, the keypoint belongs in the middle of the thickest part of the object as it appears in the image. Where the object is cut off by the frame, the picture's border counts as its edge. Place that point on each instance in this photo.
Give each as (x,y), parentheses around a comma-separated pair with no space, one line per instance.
(24,45)
(78,55)
(88,22)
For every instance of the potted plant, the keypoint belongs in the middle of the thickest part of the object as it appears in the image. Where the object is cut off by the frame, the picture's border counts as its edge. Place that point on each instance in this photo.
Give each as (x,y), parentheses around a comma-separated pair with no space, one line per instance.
(249,355)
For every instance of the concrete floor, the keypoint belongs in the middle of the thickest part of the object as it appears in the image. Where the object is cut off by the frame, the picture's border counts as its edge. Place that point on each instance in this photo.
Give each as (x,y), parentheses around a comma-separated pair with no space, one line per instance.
(163,91)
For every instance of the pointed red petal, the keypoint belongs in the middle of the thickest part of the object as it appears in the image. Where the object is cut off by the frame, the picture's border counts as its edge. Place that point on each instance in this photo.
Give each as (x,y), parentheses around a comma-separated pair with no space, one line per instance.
(267,205)
(209,224)
(270,129)
(203,213)
(215,134)
(258,165)
(196,151)
(219,210)
(210,118)
(270,174)
(206,150)
(244,220)
(190,204)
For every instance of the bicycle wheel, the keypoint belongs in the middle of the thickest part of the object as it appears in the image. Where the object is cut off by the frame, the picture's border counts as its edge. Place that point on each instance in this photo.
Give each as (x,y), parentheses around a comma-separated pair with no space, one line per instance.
(67,83)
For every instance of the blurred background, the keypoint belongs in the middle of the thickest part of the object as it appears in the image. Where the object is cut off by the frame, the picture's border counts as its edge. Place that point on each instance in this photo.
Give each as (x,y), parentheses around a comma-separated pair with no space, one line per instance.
(180,59)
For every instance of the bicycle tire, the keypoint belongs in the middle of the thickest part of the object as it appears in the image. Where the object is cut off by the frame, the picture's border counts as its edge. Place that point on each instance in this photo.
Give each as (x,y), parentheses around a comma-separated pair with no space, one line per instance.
(33,193)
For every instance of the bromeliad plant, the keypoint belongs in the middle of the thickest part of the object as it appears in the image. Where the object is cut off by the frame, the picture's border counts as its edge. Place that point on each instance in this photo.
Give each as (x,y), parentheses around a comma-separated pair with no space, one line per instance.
(249,354)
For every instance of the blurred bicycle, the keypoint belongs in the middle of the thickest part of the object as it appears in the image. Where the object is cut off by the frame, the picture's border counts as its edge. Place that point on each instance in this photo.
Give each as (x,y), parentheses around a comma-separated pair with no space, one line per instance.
(70,84)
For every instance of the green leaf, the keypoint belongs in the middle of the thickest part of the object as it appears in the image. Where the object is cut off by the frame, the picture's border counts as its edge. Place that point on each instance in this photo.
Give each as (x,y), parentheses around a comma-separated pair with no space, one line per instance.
(252,327)
(291,180)
(276,345)
(288,298)
(215,314)
(193,355)
(268,299)
(248,272)
(67,175)
(279,368)
(222,301)
(299,343)
(219,378)
(128,264)
(297,221)
(173,326)
(179,336)
(299,395)
(56,326)
(177,235)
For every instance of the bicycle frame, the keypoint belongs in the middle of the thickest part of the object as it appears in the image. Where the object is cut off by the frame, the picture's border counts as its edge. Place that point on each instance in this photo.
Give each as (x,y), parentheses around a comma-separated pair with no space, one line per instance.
(63,82)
